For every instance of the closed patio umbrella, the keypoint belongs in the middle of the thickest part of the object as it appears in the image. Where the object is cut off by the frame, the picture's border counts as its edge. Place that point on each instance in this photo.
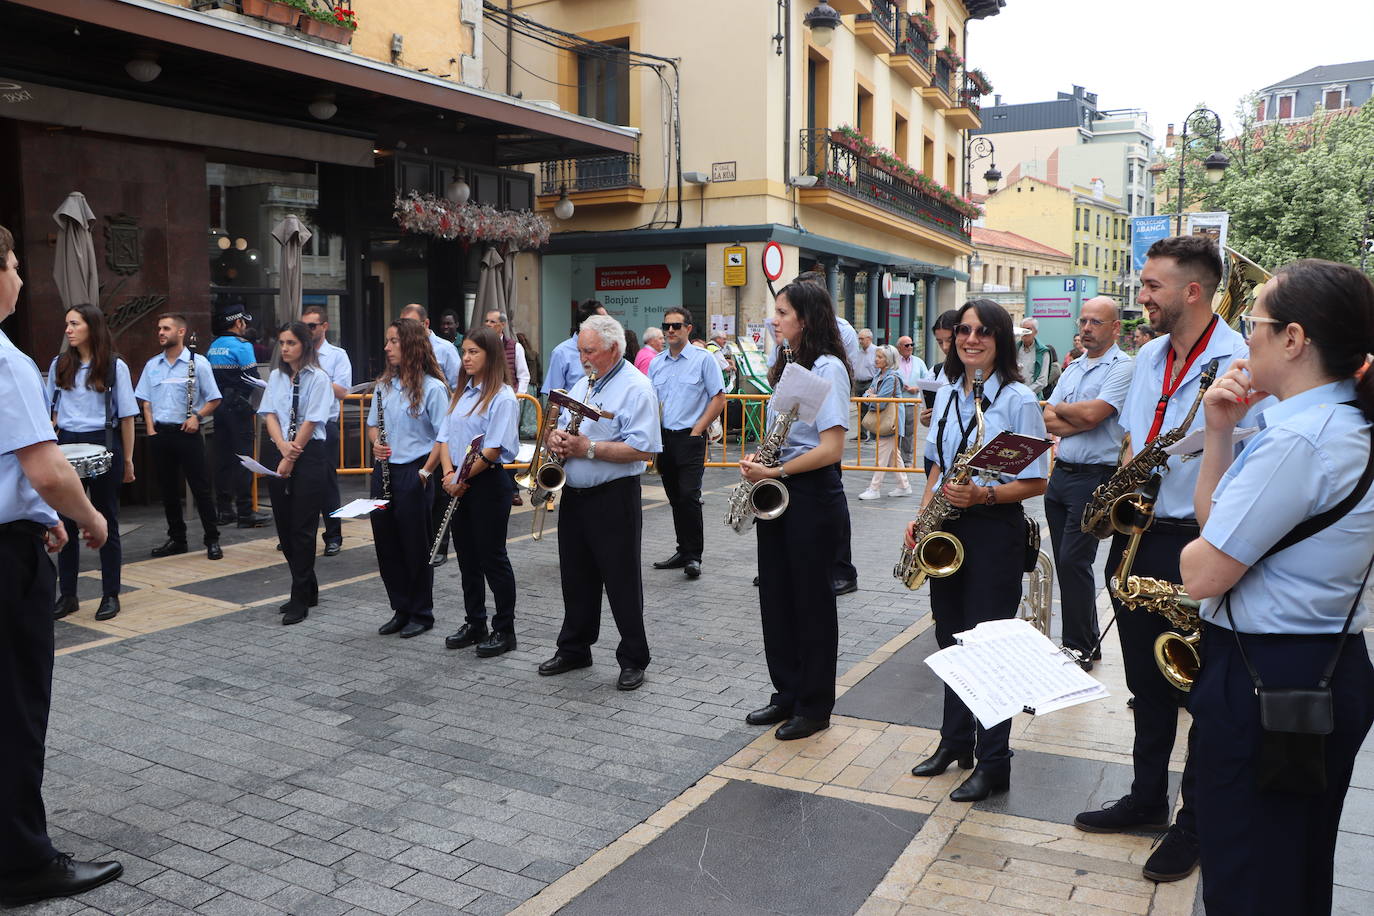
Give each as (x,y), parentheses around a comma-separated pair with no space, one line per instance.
(491,288)
(508,284)
(74,266)
(292,235)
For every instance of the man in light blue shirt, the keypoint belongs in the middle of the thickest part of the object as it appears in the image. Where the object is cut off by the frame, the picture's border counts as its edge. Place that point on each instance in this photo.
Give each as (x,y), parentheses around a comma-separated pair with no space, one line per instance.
(445,353)
(177,391)
(1083,413)
(565,365)
(601,521)
(336,364)
(910,369)
(689,387)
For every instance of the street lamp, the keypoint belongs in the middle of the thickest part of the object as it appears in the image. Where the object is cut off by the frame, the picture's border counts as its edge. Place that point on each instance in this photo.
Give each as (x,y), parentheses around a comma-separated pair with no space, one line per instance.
(980,148)
(823,20)
(1214,165)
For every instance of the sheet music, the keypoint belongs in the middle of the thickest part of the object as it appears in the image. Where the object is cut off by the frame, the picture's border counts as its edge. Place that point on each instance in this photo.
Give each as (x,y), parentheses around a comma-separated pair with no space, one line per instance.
(803,389)
(255,467)
(253,380)
(358,508)
(930,384)
(1192,443)
(1004,667)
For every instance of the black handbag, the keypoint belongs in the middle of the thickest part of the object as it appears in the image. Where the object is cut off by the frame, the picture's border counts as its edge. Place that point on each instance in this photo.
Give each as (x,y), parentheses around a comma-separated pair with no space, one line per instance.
(1032,544)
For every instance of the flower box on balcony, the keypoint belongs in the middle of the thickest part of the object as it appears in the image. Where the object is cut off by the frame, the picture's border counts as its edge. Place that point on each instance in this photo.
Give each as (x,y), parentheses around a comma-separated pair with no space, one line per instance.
(326,30)
(920,23)
(950,57)
(979,82)
(271,11)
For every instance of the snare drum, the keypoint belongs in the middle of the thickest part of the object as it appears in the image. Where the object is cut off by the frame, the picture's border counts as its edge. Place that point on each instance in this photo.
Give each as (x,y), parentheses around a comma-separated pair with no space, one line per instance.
(88,460)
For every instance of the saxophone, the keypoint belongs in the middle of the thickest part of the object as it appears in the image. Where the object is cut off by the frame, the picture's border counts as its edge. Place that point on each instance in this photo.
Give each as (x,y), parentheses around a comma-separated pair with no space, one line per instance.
(381,437)
(1108,510)
(768,498)
(938,553)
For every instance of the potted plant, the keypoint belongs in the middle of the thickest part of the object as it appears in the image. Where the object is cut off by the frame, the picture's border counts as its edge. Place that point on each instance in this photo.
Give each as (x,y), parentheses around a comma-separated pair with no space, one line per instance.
(337,25)
(950,57)
(846,136)
(979,81)
(272,11)
(922,24)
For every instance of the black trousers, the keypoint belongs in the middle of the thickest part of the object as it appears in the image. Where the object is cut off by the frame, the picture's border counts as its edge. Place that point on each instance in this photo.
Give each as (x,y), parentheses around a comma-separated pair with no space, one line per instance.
(1156,700)
(333,527)
(1267,852)
(26,659)
(987,586)
(104,495)
(174,450)
(233,437)
(1075,552)
(296,503)
(599,533)
(479,540)
(801,633)
(681,465)
(402,534)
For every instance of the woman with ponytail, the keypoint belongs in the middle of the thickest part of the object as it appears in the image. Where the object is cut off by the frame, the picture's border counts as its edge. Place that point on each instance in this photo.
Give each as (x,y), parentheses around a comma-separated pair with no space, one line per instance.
(1287,532)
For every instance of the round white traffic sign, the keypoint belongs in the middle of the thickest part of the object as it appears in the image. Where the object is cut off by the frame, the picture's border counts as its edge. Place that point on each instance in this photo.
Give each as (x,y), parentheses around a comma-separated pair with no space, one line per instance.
(772,260)
(887,285)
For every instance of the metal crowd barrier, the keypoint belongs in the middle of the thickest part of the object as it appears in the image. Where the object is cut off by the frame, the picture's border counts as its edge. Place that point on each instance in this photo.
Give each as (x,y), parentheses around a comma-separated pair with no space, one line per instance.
(356,458)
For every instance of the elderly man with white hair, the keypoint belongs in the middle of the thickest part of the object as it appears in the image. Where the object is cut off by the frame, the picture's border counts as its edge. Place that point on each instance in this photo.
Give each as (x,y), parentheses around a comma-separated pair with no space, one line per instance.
(600,522)
(653,345)
(1034,358)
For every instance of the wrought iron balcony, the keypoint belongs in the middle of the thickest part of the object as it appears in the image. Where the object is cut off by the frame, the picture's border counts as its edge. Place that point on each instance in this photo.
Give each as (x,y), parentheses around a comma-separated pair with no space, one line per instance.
(840,168)
(970,97)
(942,76)
(916,45)
(590,173)
(885,15)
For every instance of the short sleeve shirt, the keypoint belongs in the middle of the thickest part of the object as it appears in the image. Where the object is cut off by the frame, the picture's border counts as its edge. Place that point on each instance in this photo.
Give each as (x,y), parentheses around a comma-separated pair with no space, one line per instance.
(23,422)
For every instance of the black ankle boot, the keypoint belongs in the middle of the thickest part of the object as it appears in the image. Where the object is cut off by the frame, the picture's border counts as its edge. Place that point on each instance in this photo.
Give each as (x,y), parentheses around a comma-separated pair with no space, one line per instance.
(938,762)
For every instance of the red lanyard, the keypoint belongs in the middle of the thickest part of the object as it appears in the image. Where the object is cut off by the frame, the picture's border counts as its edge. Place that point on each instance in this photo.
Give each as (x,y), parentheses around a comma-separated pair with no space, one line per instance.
(1171,384)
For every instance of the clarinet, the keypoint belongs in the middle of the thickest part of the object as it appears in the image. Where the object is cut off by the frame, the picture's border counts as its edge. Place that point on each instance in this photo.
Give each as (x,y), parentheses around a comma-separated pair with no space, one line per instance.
(381,437)
(292,425)
(191,378)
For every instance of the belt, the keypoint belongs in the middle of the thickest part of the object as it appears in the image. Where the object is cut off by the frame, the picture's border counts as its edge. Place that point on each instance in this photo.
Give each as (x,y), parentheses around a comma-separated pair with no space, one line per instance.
(582,491)
(1175,526)
(1277,637)
(1071,468)
(167,426)
(685,431)
(22,527)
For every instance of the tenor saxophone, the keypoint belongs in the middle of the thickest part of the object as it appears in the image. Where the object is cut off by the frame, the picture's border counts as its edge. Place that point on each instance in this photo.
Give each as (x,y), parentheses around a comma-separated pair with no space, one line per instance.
(1108,509)
(938,553)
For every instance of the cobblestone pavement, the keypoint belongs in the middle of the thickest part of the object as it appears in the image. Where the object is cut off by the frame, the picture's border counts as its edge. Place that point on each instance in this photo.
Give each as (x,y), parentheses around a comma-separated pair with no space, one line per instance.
(236,766)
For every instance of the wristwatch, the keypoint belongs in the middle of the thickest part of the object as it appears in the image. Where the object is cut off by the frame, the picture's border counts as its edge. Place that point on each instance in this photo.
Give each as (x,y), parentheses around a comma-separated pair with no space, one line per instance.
(991,498)
(591,451)
(426,474)
(782,473)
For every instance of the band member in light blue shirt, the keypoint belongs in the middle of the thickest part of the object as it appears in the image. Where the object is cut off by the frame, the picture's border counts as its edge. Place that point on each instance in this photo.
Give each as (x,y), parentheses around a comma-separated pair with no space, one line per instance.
(177,393)
(336,364)
(991,525)
(1082,411)
(565,364)
(89,409)
(483,405)
(1284,616)
(413,399)
(445,353)
(600,521)
(691,392)
(295,409)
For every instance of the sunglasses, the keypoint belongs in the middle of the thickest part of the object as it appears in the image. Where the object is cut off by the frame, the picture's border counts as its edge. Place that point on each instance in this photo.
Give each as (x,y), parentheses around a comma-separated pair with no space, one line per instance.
(904,346)
(673,325)
(312,325)
(982,332)
(1248,322)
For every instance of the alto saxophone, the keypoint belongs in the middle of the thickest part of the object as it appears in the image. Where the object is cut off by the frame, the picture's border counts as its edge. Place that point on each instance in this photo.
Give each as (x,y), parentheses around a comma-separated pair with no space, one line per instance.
(1108,509)
(938,553)
(767,498)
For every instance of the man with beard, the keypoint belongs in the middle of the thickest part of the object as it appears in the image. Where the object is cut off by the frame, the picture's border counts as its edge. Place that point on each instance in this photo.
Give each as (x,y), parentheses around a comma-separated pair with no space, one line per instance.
(336,364)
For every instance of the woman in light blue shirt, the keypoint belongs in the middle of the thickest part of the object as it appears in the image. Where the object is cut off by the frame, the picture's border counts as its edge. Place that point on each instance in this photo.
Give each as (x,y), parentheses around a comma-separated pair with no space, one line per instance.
(483,404)
(887,384)
(991,525)
(295,408)
(1284,616)
(798,548)
(92,400)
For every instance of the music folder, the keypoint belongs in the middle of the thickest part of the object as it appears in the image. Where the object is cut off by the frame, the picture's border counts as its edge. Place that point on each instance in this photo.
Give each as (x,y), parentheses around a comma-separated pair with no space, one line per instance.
(1008,453)
(569,403)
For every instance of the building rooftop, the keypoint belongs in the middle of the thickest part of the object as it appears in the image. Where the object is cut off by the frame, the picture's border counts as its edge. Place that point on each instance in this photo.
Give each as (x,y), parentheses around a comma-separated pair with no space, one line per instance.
(999,238)
(1326,74)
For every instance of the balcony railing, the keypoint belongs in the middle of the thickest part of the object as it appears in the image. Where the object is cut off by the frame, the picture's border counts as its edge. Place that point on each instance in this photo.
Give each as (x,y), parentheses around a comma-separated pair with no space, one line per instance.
(970,97)
(842,169)
(590,173)
(885,15)
(915,45)
(942,76)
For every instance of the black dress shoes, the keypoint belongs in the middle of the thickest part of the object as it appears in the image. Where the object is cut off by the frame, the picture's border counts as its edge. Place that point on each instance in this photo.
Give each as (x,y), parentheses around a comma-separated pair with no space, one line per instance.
(756,582)
(469,634)
(692,569)
(62,877)
(676,561)
(496,644)
(332,548)
(226,517)
(251,520)
(415,628)
(109,607)
(66,604)
(440,560)
(213,551)
(939,761)
(630,679)
(560,664)
(800,727)
(769,715)
(169,549)
(980,785)
(844,586)
(294,613)
(394,625)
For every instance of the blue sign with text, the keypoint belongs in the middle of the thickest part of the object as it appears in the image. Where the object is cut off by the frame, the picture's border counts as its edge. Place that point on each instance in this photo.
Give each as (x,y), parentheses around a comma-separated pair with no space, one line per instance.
(1145,231)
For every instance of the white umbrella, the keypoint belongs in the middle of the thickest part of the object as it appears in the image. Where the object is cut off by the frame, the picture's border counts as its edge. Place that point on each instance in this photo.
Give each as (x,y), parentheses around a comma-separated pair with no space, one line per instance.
(292,235)
(74,266)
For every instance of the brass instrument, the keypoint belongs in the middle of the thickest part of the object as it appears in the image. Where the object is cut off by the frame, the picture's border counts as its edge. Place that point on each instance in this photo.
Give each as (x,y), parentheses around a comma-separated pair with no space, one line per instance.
(1037,598)
(938,553)
(768,498)
(1175,653)
(1108,510)
(529,480)
(470,457)
(548,476)
(381,438)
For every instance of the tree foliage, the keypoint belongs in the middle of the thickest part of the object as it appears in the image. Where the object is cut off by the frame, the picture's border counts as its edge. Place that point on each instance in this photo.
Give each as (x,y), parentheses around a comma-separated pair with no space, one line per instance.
(1300,190)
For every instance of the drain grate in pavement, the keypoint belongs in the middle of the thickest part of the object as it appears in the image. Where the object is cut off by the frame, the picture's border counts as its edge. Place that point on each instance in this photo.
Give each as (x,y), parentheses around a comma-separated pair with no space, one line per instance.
(754,849)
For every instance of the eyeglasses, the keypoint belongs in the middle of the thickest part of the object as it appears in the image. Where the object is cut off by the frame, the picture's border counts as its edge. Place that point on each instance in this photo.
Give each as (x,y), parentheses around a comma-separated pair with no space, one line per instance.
(1091,322)
(982,331)
(905,345)
(1248,322)
(673,325)
(312,325)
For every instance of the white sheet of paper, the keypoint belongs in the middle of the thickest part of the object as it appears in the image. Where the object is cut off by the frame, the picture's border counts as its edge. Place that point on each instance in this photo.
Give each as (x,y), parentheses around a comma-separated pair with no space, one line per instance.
(1009,667)
(253,380)
(1192,443)
(358,508)
(931,384)
(255,467)
(803,389)
(364,388)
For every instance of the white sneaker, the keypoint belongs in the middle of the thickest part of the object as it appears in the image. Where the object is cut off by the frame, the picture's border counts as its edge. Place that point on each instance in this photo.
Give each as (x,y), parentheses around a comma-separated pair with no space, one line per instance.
(900,491)
(870,493)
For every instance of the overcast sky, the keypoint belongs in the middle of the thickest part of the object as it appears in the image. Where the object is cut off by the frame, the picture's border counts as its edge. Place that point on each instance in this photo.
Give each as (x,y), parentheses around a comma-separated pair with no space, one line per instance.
(1165,56)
